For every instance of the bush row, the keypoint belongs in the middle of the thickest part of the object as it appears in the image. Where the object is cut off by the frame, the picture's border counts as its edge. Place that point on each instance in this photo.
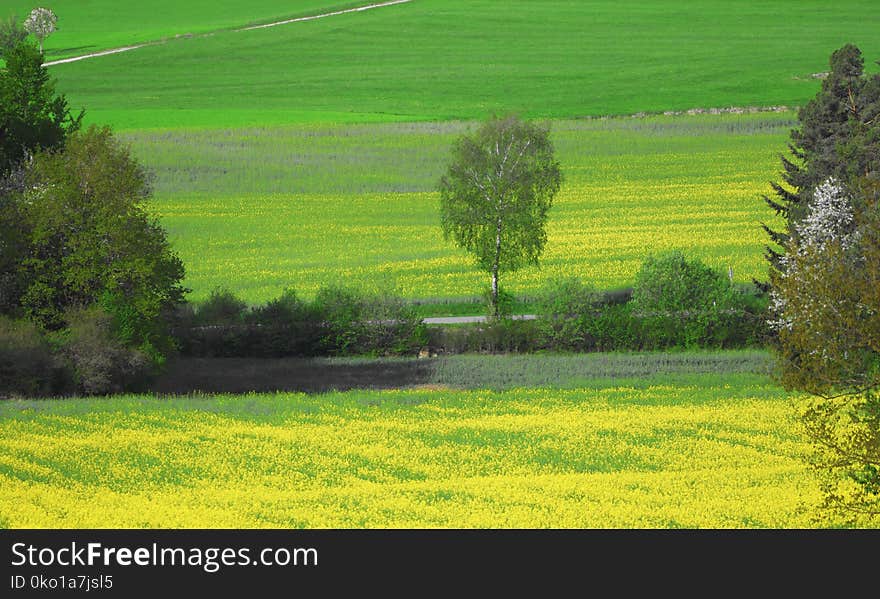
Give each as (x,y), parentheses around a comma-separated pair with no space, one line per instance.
(337,322)
(674,303)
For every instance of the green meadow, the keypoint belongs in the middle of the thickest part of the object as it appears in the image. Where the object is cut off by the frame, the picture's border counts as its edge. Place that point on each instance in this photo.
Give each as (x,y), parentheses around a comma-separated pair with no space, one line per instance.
(455,59)
(308,154)
(86,26)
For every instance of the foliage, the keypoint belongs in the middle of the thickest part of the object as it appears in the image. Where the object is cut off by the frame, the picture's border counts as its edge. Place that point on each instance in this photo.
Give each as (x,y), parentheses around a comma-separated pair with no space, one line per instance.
(676,303)
(838,137)
(91,241)
(358,324)
(13,240)
(27,365)
(672,283)
(826,300)
(498,306)
(32,116)
(11,34)
(102,364)
(342,311)
(340,321)
(682,302)
(392,327)
(222,307)
(496,193)
(567,309)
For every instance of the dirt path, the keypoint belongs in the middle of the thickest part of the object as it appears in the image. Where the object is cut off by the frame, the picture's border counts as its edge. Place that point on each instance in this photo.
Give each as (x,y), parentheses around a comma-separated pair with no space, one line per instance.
(470,319)
(275,24)
(329,14)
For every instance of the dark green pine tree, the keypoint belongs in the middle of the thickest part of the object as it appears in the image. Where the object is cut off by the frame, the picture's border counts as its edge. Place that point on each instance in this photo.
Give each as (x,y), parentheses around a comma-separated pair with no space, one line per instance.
(818,147)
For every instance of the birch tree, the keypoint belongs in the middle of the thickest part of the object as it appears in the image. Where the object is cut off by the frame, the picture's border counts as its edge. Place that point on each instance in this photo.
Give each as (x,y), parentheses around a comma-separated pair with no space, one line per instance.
(496,194)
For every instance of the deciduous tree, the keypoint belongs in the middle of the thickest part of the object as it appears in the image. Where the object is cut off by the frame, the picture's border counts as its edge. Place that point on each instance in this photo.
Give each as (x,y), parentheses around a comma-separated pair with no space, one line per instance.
(826,297)
(42,22)
(92,241)
(497,192)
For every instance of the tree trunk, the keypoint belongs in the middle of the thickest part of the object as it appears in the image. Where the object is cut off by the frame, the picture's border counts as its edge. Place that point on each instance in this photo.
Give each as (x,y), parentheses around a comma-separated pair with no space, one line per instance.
(495,290)
(495,269)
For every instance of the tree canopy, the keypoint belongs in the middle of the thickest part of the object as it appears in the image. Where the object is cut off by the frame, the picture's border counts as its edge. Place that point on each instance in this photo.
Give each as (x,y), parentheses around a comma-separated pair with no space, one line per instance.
(32,115)
(42,22)
(89,240)
(496,194)
(837,137)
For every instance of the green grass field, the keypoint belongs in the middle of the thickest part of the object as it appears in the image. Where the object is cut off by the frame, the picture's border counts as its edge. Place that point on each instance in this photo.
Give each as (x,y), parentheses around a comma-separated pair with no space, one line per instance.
(94,25)
(712,451)
(260,209)
(456,59)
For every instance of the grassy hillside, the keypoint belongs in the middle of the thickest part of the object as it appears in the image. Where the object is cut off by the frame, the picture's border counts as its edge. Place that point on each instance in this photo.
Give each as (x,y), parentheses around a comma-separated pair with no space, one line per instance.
(447,59)
(257,210)
(86,26)
(717,451)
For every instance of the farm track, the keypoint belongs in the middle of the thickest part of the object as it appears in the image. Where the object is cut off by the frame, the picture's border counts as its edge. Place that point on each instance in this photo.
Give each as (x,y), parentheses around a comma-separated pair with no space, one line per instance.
(470,319)
(252,27)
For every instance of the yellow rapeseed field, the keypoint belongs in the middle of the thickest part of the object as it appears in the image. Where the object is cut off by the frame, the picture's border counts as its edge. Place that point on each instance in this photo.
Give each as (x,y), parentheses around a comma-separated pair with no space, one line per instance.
(676,455)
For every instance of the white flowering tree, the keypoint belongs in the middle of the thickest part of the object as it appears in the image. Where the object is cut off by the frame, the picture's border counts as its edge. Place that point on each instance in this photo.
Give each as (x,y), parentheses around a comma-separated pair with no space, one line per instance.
(42,22)
(826,300)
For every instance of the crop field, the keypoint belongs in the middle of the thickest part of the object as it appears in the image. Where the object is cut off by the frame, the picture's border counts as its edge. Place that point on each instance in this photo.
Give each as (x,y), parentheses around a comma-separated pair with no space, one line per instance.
(430,60)
(309,154)
(96,25)
(501,372)
(258,210)
(714,451)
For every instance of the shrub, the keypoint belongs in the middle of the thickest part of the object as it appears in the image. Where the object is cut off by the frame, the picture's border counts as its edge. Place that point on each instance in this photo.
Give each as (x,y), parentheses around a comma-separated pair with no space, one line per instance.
(676,304)
(506,302)
(339,321)
(342,312)
(686,303)
(566,310)
(287,309)
(391,326)
(152,337)
(27,366)
(221,308)
(286,326)
(499,336)
(672,283)
(101,363)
